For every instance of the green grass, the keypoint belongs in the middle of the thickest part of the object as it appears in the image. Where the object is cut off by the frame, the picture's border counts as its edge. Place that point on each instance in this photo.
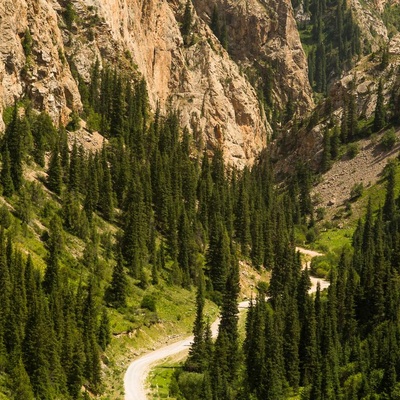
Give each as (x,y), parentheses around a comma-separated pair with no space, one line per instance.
(160,378)
(334,239)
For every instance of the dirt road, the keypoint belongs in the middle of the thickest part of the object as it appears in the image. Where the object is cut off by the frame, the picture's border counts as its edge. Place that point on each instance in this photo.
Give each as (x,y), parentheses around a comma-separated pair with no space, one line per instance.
(314,281)
(136,374)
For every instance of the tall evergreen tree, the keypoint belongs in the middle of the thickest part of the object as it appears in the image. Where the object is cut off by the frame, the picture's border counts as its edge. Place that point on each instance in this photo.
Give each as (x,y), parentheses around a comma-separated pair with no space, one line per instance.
(55,173)
(117,291)
(197,360)
(379,115)
(5,176)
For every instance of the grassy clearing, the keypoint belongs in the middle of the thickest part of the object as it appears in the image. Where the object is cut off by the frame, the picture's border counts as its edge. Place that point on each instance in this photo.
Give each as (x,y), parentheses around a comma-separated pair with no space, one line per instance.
(160,379)
(334,239)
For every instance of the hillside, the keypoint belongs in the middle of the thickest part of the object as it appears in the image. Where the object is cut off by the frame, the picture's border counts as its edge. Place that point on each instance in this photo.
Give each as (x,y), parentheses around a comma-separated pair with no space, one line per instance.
(160,160)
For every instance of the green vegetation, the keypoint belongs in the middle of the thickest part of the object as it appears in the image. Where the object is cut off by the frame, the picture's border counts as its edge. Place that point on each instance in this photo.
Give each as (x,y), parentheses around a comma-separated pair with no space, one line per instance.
(391,18)
(108,235)
(331,39)
(327,345)
(389,139)
(69,14)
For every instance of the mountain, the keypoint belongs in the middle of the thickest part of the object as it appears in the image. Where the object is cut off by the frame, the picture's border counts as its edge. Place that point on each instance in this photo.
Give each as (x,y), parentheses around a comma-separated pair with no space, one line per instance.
(193,73)
(151,147)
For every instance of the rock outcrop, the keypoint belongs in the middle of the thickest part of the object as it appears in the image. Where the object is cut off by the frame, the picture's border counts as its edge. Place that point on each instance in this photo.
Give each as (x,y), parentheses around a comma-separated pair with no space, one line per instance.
(262,34)
(43,75)
(215,101)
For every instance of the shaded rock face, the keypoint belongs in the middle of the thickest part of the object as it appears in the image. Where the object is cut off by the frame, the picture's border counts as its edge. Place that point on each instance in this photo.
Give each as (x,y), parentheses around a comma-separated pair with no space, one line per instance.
(264,33)
(43,76)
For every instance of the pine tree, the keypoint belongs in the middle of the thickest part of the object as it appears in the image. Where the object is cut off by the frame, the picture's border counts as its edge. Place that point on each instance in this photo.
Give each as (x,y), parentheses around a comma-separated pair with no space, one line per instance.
(197,359)
(92,368)
(116,292)
(352,117)
(389,207)
(379,115)
(104,334)
(19,380)
(335,143)
(215,24)
(5,176)
(326,151)
(55,174)
(187,22)
(184,236)
(74,179)
(13,140)
(106,193)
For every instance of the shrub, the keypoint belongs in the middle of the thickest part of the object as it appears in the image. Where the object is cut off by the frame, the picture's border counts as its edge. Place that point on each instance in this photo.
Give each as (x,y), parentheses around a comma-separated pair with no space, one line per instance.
(148,302)
(353,150)
(389,139)
(190,385)
(320,213)
(69,15)
(311,235)
(356,191)
(74,123)
(27,43)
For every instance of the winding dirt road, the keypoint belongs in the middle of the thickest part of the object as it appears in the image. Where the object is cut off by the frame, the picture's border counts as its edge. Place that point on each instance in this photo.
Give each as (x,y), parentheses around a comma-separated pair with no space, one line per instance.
(135,376)
(314,281)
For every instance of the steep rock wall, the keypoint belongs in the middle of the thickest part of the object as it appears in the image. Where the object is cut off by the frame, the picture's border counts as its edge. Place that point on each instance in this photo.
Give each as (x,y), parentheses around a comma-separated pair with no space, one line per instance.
(215,101)
(44,76)
(264,33)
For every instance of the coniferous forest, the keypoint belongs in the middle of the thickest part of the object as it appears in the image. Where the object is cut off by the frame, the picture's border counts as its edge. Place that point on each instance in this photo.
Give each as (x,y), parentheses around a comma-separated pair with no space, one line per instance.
(180,215)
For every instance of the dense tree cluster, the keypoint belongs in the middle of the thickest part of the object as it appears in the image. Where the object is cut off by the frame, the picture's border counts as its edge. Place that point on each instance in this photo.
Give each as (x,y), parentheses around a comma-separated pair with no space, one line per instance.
(342,343)
(333,38)
(181,215)
(50,332)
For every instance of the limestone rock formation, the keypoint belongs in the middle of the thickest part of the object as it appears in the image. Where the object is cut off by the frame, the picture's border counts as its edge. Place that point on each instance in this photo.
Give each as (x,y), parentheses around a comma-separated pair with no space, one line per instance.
(216,102)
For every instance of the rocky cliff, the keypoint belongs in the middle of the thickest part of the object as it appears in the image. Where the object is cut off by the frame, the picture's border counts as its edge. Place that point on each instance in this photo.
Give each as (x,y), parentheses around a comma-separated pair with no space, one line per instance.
(215,98)
(39,72)
(262,35)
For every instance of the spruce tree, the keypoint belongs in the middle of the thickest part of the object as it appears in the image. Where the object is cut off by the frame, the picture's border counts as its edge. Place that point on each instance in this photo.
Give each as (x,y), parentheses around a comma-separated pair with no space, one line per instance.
(326,151)
(104,334)
(5,176)
(187,22)
(55,173)
(14,142)
(116,293)
(379,115)
(197,354)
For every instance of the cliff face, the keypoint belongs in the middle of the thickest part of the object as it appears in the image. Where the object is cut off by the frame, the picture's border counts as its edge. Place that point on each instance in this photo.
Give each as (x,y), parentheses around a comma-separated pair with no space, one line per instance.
(216,101)
(264,33)
(43,76)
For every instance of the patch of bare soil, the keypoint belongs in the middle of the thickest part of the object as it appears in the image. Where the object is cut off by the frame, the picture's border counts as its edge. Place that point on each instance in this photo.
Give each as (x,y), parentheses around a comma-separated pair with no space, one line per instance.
(366,168)
(249,277)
